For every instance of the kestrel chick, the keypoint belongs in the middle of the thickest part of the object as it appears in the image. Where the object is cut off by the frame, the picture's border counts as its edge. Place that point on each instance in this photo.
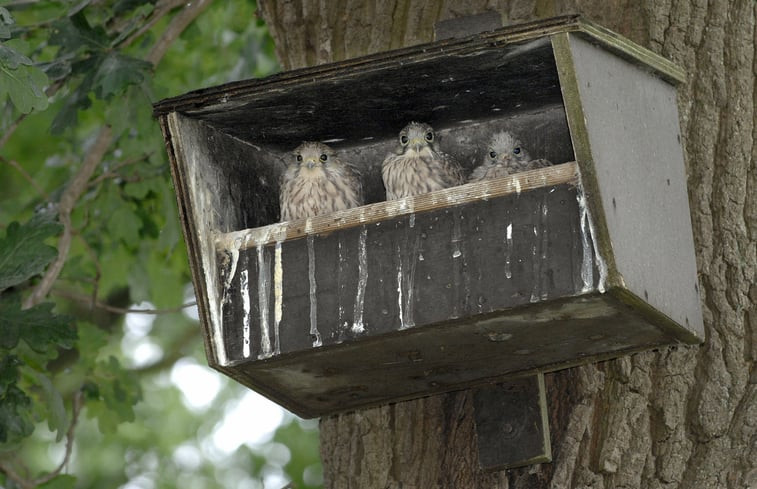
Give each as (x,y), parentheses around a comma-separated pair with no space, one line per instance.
(505,155)
(316,182)
(418,165)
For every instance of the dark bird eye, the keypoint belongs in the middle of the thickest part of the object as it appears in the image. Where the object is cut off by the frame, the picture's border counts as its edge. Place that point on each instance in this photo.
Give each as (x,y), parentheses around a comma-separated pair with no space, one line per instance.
(493,154)
(324,157)
(429,136)
(403,140)
(516,151)
(299,157)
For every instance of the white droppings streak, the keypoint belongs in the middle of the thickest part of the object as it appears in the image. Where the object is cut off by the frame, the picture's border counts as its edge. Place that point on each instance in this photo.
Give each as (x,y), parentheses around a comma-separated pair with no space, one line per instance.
(315,335)
(589,244)
(544,249)
(587,273)
(456,238)
(278,296)
(412,220)
(456,264)
(244,287)
(508,250)
(516,182)
(233,261)
(362,281)
(535,266)
(341,286)
(263,286)
(399,287)
(539,258)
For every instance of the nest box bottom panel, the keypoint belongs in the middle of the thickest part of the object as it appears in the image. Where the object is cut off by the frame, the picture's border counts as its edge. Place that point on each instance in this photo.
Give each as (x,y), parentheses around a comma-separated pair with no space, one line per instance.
(459,292)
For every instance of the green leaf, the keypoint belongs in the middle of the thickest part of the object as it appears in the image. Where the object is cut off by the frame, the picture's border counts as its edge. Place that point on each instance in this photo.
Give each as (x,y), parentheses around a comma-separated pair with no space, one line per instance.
(63,481)
(68,115)
(37,326)
(8,372)
(23,253)
(23,83)
(12,59)
(124,225)
(91,340)
(138,190)
(119,391)
(57,420)
(73,33)
(6,19)
(117,72)
(15,415)
(57,69)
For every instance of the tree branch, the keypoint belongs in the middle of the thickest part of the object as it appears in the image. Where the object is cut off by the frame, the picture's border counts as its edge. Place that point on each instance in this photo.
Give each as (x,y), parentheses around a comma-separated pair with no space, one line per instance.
(179,22)
(96,153)
(50,91)
(111,173)
(176,352)
(65,207)
(83,299)
(26,176)
(24,483)
(76,409)
(161,10)
(15,477)
(11,129)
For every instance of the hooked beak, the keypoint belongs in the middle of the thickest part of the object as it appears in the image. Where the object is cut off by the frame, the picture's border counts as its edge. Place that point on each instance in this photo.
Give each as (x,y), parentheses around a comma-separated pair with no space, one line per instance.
(310,163)
(417,144)
(504,159)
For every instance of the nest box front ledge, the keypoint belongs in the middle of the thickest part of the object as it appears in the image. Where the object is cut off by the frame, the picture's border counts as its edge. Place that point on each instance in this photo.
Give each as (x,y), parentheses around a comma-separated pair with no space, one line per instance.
(505,271)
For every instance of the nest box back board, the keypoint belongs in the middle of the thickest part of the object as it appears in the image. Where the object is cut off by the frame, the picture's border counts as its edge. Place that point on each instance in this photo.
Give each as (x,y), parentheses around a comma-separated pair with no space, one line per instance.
(587,259)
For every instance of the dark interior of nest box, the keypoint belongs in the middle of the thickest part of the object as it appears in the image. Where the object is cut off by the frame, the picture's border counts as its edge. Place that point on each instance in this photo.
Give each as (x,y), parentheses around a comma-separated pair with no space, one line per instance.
(466,95)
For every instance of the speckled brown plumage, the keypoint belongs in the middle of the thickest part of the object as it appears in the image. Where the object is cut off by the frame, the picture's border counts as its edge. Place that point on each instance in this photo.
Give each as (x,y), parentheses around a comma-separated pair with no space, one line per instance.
(316,182)
(505,155)
(418,166)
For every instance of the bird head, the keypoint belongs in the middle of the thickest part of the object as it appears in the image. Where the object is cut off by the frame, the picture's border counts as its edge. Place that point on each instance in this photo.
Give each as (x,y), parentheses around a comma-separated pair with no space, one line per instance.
(313,156)
(505,149)
(417,137)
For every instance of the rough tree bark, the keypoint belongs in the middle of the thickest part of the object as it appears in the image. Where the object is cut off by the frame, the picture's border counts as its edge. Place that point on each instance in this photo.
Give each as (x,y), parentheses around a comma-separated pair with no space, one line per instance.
(682,418)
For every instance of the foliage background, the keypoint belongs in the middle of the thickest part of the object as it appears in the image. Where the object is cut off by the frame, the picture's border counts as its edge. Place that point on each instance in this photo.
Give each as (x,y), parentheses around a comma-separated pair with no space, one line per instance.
(91,389)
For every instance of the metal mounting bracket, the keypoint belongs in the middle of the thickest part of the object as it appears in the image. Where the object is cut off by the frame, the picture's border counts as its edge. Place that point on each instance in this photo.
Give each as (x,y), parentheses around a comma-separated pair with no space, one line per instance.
(512,428)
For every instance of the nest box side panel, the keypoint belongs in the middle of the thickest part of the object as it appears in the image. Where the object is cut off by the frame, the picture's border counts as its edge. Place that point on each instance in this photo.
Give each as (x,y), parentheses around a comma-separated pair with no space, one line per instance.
(213,174)
(633,129)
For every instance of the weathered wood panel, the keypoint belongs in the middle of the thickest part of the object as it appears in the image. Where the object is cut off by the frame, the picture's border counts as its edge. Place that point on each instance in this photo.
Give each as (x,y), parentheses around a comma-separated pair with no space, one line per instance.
(512,429)
(409,271)
(454,355)
(635,139)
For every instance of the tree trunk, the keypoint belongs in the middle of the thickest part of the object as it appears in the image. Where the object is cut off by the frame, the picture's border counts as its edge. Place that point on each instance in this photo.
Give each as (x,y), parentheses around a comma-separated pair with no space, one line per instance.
(681,417)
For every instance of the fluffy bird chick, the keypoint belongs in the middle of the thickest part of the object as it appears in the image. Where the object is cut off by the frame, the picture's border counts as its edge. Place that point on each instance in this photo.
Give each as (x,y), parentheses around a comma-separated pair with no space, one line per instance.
(505,155)
(418,166)
(316,182)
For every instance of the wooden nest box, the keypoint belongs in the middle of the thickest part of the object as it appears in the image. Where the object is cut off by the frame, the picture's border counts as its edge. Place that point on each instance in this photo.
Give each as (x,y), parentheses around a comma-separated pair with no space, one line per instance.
(588,259)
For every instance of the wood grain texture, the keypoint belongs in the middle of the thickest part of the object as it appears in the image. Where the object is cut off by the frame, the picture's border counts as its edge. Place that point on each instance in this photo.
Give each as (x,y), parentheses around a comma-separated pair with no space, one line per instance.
(675,419)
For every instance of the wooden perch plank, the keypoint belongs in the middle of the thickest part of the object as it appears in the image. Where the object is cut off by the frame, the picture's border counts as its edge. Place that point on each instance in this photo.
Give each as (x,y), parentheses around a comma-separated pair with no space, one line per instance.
(566,173)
